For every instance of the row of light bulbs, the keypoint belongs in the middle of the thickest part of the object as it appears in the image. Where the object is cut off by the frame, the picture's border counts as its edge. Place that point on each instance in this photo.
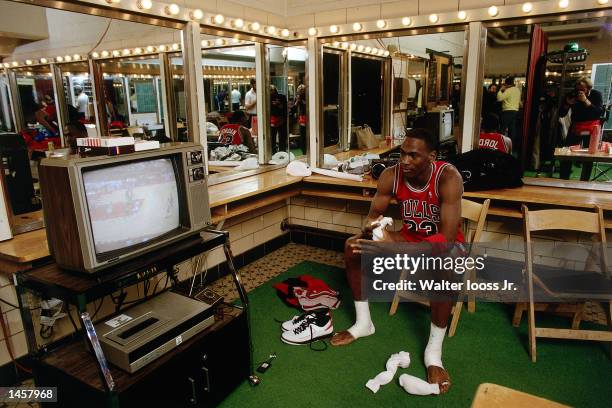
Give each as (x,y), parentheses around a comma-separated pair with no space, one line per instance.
(360,48)
(122,53)
(172,10)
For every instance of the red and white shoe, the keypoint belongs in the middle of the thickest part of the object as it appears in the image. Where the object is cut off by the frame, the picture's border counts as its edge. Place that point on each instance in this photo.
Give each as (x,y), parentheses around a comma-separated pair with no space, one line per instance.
(313,327)
(315,300)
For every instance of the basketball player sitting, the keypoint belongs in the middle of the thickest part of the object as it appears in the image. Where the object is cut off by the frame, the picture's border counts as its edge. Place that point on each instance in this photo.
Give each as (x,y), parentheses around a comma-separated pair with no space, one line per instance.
(417,179)
(490,138)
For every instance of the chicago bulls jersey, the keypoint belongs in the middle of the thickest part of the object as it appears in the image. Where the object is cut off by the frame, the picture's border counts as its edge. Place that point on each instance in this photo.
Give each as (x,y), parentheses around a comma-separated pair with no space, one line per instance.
(420,207)
(230,134)
(493,141)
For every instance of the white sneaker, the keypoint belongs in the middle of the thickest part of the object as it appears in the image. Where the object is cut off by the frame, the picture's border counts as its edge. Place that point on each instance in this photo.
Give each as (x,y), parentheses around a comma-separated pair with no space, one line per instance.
(295,321)
(312,327)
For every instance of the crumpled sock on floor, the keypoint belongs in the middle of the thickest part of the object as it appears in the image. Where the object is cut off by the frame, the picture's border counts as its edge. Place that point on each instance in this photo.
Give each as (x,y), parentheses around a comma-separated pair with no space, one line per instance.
(415,386)
(401,359)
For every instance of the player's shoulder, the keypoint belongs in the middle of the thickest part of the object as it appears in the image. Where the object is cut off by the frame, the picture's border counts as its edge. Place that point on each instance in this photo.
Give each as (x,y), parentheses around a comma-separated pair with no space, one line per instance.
(387,178)
(448,173)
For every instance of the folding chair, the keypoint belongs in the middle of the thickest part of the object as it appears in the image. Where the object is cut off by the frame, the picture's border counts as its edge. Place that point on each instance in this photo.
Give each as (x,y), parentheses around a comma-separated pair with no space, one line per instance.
(583,221)
(470,211)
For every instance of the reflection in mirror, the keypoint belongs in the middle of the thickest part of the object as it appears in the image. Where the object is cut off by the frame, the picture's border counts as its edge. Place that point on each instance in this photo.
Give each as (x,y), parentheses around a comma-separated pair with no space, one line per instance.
(178,95)
(231,104)
(297,90)
(332,99)
(426,85)
(277,70)
(79,114)
(35,93)
(132,96)
(565,134)
(7,123)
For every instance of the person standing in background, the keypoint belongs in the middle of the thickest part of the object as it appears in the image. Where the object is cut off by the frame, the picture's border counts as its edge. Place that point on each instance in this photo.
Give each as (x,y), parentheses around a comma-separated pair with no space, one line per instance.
(510,97)
(250,105)
(236,96)
(299,108)
(489,101)
(278,120)
(82,102)
(586,104)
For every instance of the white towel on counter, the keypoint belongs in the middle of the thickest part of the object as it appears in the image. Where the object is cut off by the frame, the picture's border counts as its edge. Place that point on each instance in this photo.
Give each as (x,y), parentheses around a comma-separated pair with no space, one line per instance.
(337,174)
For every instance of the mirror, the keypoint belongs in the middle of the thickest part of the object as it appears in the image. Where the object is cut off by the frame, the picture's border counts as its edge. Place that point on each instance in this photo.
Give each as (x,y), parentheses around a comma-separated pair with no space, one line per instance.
(132,96)
(178,99)
(7,123)
(231,105)
(367,97)
(297,91)
(575,55)
(78,111)
(333,99)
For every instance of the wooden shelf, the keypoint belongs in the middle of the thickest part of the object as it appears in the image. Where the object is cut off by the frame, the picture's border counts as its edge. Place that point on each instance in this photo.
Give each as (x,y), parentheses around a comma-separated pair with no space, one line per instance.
(234,209)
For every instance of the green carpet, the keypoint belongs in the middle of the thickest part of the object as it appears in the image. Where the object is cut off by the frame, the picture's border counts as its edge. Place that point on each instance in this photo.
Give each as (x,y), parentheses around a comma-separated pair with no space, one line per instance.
(486,348)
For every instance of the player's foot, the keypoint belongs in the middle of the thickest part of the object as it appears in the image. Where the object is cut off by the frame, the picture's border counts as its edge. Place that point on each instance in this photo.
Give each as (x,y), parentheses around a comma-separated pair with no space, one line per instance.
(438,375)
(342,338)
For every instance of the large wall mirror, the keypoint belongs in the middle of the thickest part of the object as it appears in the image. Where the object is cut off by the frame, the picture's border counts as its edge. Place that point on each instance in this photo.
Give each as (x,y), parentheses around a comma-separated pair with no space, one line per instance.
(334,73)
(569,103)
(49,99)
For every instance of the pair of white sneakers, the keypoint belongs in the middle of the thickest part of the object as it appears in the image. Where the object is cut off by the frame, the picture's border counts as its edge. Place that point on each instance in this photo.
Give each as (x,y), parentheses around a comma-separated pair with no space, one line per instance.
(308,327)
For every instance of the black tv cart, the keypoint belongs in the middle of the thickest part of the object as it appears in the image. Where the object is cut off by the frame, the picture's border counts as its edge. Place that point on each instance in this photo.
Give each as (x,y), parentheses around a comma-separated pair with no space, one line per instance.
(199,372)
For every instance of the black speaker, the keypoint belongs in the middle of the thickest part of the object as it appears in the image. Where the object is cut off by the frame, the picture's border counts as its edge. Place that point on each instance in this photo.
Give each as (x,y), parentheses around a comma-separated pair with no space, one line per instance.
(17,174)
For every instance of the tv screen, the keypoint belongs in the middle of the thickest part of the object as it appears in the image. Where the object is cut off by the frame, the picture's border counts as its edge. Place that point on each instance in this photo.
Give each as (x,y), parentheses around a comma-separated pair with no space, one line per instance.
(132,203)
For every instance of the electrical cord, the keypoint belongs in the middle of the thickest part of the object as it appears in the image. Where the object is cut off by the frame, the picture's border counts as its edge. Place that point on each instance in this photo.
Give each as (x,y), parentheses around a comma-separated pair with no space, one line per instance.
(101,37)
(8,303)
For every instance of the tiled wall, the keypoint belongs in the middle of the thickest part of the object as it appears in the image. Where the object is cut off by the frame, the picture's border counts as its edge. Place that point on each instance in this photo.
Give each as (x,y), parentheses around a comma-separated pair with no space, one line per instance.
(247,231)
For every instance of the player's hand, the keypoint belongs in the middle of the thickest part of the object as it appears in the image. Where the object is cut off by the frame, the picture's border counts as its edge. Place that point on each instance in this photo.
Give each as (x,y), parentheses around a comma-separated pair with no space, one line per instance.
(570,100)
(581,96)
(366,231)
(366,247)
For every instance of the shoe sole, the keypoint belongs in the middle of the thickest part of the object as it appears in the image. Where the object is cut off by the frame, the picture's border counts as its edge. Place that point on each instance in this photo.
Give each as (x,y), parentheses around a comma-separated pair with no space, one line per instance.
(296,343)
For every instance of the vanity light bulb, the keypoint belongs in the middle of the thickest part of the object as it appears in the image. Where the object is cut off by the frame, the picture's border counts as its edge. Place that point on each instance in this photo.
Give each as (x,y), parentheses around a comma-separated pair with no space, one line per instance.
(334,29)
(125,52)
(285,32)
(144,4)
(6,65)
(43,61)
(113,1)
(196,14)
(162,48)
(67,58)
(235,40)
(150,48)
(563,4)
(406,21)
(220,41)
(271,30)
(360,48)
(368,49)
(462,15)
(353,46)
(433,18)
(205,43)
(374,51)
(381,24)
(336,44)
(386,53)
(76,57)
(138,51)
(602,2)
(175,46)
(344,45)
(219,19)
(527,7)
(312,31)
(116,53)
(172,9)
(357,26)
(28,62)
(58,59)
(255,26)
(238,23)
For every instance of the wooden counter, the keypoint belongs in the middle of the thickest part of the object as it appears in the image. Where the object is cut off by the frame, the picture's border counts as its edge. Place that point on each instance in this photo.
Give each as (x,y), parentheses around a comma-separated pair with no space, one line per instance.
(23,250)
(382,148)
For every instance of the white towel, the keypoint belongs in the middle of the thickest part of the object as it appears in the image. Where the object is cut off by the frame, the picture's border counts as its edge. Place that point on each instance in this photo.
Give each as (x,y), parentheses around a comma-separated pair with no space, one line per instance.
(337,174)
(401,359)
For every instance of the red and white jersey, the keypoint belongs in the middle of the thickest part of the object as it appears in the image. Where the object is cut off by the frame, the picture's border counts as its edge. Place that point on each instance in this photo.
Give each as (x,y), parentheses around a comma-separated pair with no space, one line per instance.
(230,134)
(420,207)
(493,141)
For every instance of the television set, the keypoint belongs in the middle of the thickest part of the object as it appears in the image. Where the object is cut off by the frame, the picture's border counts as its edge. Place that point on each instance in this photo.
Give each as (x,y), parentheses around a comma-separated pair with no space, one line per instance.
(100,211)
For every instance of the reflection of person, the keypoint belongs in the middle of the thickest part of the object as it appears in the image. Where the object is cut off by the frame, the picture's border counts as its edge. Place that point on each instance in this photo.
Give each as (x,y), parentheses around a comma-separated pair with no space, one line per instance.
(133,101)
(299,108)
(75,128)
(42,116)
(236,133)
(489,101)
(510,97)
(221,96)
(250,102)
(236,95)
(82,102)
(278,120)
(456,100)
(50,109)
(586,105)
(490,138)
(417,181)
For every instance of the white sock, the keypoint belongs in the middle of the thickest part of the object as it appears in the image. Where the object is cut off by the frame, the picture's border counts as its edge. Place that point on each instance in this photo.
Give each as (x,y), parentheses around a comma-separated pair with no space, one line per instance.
(416,386)
(363,322)
(433,351)
(401,359)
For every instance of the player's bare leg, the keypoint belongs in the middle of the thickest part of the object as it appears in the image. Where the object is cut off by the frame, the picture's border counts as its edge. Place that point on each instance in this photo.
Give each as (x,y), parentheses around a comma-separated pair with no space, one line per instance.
(436,374)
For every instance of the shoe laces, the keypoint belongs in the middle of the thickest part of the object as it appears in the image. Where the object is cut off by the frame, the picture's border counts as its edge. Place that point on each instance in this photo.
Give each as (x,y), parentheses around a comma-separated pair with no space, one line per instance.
(308,319)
